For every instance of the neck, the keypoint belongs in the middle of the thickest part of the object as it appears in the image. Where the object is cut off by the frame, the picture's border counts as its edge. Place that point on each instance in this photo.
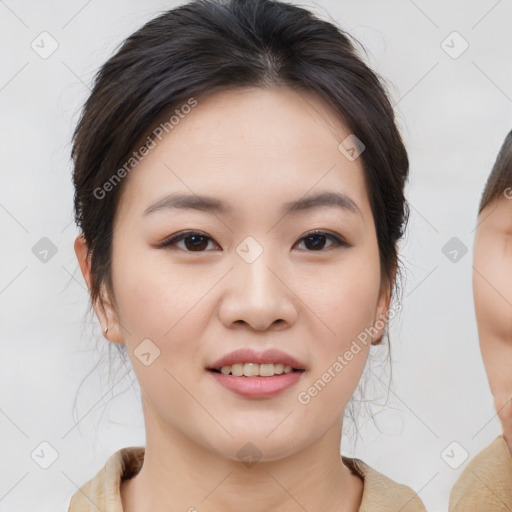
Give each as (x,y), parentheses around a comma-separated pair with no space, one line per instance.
(180,474)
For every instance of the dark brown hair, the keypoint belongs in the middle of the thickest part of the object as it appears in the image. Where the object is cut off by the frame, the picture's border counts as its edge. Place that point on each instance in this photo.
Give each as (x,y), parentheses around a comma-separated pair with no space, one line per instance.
(500,178)
(207,45)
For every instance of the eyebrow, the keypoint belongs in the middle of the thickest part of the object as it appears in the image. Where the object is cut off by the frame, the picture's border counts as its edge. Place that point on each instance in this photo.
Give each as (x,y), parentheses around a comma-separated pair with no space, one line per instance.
(184,201)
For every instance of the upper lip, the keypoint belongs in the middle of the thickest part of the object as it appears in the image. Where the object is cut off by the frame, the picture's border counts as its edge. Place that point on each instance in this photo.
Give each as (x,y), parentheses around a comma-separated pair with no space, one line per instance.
(246,355)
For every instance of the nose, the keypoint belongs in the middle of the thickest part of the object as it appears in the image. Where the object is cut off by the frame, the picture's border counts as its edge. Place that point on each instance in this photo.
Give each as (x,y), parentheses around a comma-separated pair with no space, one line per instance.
(258,295)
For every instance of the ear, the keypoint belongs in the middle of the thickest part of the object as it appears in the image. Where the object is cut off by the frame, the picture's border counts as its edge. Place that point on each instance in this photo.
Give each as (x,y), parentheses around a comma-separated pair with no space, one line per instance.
(381,313)
(103,308)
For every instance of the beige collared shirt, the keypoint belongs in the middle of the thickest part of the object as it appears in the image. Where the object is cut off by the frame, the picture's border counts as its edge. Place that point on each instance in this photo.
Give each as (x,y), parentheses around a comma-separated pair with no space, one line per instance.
(380,494)
(485,485)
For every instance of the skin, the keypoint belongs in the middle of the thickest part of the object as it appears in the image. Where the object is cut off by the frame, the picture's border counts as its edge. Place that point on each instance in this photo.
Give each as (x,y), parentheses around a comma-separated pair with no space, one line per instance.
(255,149)
(492,289)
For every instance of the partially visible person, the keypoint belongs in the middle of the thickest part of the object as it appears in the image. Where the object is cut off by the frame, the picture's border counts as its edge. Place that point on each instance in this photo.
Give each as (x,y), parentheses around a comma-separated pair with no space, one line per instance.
(486,483)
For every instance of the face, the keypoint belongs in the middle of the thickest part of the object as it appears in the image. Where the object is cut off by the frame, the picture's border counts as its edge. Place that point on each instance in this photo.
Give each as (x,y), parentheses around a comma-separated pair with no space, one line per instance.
(492,288)
(255,274)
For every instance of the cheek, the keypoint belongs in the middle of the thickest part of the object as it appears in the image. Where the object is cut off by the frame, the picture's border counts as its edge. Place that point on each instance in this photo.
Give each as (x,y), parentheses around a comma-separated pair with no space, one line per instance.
(347,300)
(163,307)
(344,304)
(154,300)
(346,308)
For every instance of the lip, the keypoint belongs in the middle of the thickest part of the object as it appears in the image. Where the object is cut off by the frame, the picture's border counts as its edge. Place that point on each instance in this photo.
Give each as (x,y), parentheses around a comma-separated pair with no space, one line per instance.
(246,355)
(257,387)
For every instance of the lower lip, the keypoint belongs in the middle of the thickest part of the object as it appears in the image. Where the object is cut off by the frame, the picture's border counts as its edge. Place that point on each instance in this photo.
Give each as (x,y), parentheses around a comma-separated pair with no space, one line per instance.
(257,387)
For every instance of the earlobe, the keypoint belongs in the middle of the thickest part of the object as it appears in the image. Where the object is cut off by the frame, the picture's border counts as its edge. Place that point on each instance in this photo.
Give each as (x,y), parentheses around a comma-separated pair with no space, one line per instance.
(108,319)
(102,307)
(381,314)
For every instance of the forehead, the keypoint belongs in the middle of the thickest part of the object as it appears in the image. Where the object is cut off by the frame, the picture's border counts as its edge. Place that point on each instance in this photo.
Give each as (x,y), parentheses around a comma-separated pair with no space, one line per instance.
(249,145)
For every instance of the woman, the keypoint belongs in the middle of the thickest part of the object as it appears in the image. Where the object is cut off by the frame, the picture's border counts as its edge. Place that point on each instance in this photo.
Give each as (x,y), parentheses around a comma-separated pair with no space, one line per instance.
(239,186)
(486,483)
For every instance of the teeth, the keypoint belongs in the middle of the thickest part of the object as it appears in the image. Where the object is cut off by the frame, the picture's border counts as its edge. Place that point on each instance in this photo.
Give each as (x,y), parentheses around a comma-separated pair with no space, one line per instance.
(255,370)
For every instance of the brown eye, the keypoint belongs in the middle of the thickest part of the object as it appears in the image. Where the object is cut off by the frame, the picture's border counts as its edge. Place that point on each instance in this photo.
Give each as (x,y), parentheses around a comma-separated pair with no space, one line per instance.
(316,240)
(193,241)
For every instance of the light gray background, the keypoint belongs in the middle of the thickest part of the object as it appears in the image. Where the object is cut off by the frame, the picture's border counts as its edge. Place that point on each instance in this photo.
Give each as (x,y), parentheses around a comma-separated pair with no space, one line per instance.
(454,115)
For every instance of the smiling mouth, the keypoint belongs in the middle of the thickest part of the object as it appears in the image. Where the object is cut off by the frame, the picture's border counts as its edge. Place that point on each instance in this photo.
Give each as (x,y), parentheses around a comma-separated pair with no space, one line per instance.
(255,370)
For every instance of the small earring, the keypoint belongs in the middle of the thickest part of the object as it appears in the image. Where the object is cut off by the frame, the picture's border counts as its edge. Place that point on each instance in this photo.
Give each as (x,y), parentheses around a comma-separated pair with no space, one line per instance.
(106,329)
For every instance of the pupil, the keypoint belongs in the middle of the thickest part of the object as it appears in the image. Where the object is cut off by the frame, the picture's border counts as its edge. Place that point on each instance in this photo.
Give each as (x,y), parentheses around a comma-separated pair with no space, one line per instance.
(316,244)
(197,241)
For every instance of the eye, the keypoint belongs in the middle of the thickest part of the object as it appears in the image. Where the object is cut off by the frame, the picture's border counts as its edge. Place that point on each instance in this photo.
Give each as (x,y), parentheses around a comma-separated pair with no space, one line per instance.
(316,240)
(195,241)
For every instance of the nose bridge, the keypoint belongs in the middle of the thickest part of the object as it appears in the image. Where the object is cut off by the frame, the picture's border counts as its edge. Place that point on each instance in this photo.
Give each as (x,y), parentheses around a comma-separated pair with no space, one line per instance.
(257,267)
(257,293)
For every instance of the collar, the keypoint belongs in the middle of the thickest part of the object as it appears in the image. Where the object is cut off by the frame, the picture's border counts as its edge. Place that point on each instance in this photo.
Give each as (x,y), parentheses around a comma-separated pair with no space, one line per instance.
(380,494)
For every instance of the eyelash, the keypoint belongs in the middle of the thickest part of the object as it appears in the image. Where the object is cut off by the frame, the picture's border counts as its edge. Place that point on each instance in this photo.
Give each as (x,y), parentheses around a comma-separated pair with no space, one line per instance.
(172,242)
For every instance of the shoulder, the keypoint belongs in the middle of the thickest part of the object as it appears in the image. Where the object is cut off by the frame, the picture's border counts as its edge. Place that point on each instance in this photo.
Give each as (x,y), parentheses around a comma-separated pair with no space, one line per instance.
(486,482)
(382,494)
(104,487)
